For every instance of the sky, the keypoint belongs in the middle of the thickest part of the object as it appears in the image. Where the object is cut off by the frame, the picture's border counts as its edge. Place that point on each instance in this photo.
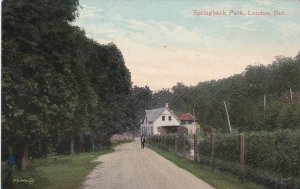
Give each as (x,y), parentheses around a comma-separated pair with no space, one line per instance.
(165,42)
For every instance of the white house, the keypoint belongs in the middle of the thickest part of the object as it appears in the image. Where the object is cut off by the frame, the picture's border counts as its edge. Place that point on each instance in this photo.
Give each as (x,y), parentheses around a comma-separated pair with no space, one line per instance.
(158,121)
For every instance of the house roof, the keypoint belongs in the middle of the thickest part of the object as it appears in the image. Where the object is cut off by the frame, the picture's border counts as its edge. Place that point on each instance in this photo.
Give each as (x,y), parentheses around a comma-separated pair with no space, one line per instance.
(186,117)
(153,114)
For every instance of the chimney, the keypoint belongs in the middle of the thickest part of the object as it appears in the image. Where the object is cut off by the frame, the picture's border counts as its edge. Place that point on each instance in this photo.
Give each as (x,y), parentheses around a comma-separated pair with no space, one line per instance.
(166,105)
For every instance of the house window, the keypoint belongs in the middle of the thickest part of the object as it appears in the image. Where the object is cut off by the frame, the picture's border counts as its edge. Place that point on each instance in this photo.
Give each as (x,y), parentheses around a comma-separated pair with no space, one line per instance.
(150,122)
(170,118)
(163,118)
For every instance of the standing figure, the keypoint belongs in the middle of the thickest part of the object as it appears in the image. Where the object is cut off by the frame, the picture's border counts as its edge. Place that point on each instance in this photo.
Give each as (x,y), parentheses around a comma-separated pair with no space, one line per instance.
(143,140)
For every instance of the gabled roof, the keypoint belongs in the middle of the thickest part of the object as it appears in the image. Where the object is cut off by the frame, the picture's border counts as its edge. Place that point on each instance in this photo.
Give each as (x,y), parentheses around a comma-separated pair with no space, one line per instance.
(153,114)
(186,117)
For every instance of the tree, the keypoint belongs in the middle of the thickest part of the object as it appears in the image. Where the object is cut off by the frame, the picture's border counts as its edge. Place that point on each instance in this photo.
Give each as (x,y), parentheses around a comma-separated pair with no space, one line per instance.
(141,98)
(36,41)
(244,95)
(161,97)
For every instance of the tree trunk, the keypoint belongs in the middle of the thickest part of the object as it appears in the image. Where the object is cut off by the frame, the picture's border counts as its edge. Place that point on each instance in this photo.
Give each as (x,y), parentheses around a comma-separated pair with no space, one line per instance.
(93,143)
(25,157)
(10,150)
(81,143)
(22,160)
(72,143)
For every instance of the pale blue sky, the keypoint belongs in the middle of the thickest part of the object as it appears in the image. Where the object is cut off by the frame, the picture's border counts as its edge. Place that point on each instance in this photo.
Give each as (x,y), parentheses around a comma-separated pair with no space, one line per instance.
(163,42)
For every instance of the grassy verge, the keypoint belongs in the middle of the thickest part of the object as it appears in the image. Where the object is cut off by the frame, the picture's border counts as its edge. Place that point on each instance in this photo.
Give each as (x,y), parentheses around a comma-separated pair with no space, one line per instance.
(66,172)
(216,178)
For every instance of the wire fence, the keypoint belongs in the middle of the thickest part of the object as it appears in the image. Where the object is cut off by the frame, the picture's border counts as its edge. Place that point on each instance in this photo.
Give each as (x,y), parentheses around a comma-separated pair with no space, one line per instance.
(269,158)
(178,144)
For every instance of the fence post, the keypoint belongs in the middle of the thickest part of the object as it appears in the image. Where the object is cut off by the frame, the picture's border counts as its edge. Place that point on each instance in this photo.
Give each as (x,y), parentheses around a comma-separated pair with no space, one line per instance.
(168,142)
(183,146)
(195,148)
(198,150)
(213,147)
(165,142)
(160,141)
(175,143)
(242,156)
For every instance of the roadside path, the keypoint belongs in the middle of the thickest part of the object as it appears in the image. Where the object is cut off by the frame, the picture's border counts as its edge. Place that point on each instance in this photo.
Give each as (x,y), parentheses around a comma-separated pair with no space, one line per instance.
(131,167)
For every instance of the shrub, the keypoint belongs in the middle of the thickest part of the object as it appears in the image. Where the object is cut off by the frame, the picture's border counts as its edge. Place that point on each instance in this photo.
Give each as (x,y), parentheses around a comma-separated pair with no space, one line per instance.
(170,141)
(272,158)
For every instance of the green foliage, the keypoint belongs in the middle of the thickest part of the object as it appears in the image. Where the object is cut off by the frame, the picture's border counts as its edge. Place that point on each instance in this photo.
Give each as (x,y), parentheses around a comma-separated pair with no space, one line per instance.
(244,96)
(66,172)
(161,97)
(276,151)
(216,178)
(176,142)
(271,158)
(140,101)
(61,91)
(33,85)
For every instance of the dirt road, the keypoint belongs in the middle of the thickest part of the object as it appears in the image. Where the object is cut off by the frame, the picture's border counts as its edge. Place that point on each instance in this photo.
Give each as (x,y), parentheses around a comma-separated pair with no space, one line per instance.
(130,167)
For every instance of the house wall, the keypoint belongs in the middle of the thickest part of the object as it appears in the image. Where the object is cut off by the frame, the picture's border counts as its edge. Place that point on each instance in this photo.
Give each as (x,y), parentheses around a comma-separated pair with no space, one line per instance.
(147,129)
(152,129)
(191,128)
(158,123)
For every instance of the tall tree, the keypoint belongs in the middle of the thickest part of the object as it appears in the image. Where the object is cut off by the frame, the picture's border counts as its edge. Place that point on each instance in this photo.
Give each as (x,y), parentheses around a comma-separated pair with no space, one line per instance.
(35,44)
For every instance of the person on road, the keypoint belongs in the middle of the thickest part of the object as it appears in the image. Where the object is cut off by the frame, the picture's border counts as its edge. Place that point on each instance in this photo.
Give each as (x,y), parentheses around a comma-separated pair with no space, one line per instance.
(143,141)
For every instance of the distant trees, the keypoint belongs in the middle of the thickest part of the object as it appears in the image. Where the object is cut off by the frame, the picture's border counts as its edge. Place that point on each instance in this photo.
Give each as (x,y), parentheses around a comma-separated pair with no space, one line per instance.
(244,95)
(141,98)
(161,97)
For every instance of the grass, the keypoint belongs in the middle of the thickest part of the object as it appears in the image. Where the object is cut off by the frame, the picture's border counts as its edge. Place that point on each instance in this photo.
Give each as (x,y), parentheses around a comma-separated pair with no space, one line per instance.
(66,172)
(216,178)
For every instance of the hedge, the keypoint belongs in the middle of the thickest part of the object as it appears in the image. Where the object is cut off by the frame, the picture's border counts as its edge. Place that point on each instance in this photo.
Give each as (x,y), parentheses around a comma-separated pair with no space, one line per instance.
(171,141)
(272,158)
